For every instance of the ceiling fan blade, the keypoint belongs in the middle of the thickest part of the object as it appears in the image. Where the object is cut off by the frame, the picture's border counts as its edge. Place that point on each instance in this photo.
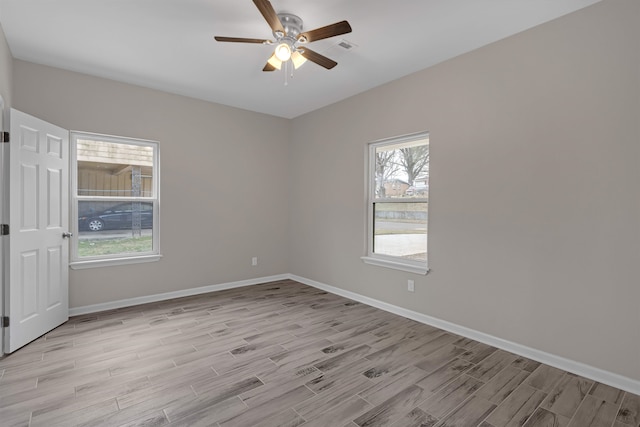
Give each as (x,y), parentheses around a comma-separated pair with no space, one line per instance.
(241,40)
(332,30)
(317,58)
(270,15)
(268,67)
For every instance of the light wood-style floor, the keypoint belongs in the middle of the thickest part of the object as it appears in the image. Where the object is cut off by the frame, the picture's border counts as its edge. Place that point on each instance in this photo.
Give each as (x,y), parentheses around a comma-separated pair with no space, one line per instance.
(285,354)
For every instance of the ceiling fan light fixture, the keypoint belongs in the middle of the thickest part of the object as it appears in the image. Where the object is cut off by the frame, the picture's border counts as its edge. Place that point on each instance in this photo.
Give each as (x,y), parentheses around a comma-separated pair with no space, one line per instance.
(283,52)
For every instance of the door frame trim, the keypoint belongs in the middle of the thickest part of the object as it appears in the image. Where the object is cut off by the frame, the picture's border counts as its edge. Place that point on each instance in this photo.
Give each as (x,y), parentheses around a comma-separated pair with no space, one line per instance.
(3,209)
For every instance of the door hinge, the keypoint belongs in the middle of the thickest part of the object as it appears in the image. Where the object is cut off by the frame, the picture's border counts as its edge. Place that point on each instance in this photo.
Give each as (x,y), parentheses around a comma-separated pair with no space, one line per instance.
(5,321)
(4,136)
(4,229)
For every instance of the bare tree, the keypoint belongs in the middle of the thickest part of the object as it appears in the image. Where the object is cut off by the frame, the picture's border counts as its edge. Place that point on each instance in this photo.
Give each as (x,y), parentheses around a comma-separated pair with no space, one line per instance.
(386,167)
(413,160)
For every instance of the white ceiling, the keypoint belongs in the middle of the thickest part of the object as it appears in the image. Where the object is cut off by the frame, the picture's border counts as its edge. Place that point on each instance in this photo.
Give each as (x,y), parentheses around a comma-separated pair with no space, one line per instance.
(169,45)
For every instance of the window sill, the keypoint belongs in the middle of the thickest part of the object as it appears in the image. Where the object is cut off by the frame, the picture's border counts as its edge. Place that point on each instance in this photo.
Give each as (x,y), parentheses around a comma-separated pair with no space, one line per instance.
(81,265)
(396,265)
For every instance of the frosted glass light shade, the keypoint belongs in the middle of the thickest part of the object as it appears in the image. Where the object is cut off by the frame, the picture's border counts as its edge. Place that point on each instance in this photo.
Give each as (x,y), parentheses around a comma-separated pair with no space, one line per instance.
(297,59)
(275,62)
(283,52)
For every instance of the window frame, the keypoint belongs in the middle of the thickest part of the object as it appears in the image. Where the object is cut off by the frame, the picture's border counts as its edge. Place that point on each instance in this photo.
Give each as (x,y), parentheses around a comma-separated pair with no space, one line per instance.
(77,262)
(383,260)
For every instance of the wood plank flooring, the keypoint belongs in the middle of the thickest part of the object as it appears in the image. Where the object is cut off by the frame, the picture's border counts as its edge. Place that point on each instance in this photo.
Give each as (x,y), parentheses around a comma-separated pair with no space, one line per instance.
(285,354)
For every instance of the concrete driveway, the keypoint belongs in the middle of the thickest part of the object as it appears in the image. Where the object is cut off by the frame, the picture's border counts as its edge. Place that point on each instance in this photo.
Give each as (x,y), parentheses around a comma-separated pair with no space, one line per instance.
(401,244)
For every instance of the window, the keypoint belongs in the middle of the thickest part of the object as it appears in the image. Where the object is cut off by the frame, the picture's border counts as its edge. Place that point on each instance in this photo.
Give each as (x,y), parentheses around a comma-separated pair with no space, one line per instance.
(114,200)
(398,203)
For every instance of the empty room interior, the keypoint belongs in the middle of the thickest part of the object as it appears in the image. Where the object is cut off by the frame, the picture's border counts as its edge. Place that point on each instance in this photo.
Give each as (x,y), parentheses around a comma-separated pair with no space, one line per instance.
(192,237)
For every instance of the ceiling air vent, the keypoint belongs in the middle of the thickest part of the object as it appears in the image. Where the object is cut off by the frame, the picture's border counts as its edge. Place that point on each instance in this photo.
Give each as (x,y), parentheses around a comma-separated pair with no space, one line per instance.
(340,48)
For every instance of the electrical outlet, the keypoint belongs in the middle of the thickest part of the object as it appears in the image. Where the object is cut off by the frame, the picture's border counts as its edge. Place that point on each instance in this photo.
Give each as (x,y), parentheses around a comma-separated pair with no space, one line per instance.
(254,261)
(410,286)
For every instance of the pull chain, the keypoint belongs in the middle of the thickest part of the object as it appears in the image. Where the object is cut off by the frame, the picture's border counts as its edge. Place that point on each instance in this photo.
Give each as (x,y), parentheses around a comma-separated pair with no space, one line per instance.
(286,74)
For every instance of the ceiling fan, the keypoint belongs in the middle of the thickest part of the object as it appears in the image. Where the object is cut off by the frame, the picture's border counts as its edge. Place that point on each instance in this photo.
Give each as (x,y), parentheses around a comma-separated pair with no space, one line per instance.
(290,40)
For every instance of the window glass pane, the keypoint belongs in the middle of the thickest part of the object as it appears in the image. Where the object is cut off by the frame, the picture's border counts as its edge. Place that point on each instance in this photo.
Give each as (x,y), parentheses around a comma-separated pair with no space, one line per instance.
(398,196)
(113,169)
(109,228)
(402,170)
(400,230)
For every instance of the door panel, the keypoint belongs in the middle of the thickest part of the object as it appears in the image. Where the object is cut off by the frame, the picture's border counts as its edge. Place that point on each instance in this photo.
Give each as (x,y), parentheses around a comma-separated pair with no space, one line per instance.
(29,197)
(29,284)
(38,215)
(54,270)
(54,214)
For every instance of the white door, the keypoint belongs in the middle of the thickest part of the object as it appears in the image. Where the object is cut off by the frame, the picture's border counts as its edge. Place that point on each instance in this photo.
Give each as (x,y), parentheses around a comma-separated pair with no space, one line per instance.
(38,299)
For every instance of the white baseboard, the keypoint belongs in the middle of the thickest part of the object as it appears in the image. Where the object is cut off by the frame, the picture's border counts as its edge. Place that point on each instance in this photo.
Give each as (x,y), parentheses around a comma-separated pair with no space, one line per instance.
(596,374)
(600,375)
(94,308)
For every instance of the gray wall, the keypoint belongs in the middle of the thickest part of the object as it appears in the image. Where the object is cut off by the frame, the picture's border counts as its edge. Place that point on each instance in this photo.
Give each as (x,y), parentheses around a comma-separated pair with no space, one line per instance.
(6,70)
(224,180)
(534,232)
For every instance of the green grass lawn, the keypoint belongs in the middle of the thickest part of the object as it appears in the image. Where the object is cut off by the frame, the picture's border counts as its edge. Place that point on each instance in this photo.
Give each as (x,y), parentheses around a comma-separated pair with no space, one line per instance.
(97,247)
(384,231)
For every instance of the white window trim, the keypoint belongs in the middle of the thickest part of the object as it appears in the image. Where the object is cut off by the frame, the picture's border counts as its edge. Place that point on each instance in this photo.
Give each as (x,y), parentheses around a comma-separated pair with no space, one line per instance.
(380,260)
(123,259)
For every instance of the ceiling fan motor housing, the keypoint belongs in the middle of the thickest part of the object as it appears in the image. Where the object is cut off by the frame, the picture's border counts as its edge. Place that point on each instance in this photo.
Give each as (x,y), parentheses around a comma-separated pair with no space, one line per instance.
(292,25)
